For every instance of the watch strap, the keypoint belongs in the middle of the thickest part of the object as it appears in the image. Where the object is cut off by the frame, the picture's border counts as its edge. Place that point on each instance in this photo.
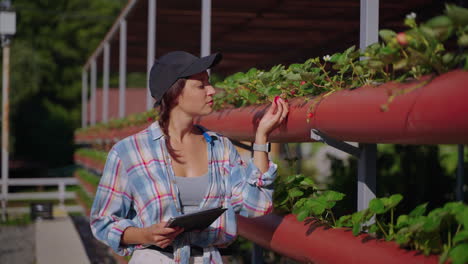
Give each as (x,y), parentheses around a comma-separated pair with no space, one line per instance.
(262,147)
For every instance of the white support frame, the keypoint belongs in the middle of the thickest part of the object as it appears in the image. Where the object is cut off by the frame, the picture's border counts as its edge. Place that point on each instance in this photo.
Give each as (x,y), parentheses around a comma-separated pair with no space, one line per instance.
(151,48)
(122,67)
(206,28)
(93,92)
(84,98)
(105,83)
(369,33)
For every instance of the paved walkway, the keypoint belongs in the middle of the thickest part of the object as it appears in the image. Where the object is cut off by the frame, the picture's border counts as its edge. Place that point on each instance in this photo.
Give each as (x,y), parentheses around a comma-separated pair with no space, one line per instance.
(58,242)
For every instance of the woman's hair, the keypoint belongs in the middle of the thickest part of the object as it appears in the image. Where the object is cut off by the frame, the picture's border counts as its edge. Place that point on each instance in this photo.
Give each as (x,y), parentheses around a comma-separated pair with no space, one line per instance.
(168,102)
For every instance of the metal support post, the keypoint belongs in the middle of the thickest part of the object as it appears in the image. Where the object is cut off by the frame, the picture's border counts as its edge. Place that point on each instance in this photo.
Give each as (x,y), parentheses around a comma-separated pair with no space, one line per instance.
(317,135)
(367,165)
(7,30)
(206,28)
(5,124)
(122,67)
(61,187)
(367,168)
(151,47)
(460,174)
(93,92)
(84,98)
(369,32)
(105,84)
(257,254)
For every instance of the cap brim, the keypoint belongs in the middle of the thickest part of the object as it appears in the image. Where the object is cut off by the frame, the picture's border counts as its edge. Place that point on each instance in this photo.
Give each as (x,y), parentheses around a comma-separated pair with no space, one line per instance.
(202,64)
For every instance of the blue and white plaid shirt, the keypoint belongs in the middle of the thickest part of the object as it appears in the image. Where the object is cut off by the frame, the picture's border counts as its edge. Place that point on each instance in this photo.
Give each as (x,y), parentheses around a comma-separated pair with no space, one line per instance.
(138,189)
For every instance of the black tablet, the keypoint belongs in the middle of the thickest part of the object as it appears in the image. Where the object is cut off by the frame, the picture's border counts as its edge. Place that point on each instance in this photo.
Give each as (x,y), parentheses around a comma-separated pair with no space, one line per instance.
(197,220)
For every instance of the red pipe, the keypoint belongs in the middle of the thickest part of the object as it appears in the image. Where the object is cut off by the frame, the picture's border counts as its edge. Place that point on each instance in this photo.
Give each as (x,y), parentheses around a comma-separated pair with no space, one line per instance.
(312,243)
(431,114)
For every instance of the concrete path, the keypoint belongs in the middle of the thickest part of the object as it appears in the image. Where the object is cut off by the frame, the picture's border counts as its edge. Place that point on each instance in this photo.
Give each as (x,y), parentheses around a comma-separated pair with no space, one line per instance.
(58,242)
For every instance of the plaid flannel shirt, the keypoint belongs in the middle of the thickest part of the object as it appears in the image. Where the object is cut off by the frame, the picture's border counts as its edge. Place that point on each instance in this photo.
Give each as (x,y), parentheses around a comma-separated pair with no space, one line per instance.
(138,189)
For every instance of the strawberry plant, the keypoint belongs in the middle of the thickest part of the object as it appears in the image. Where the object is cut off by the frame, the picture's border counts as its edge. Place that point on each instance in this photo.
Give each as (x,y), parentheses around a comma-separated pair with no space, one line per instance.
(421,50)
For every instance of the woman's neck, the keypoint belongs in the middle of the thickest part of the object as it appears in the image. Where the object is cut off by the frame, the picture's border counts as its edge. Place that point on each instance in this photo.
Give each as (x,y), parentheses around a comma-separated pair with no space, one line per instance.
(180,125)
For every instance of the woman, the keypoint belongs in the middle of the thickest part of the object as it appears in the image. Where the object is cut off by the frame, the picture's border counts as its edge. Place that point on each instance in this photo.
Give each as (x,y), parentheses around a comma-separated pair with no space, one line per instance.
(174,167)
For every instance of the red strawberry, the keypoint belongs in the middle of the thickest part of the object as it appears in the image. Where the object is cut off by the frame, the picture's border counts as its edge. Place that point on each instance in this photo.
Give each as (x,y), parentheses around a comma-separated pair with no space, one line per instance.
(303,82)
(293,92)
(149,119)
(402,39)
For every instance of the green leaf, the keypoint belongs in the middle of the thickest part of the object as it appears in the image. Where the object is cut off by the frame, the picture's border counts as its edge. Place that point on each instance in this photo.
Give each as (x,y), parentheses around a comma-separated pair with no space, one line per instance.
(375,64)
(295,192)
(458,15)
(333,196)
(442,27)
(376,206)
(461,236)
(290,179)
(345,220)
(419,210)
(335,57)
(307,182)
(293,76)
(317,206)
(402,238)
(303,214)
(387,35)
(463,40)
(356,229)
(392,201)
(459,254)
(465,219)
(402,221)
(373,228)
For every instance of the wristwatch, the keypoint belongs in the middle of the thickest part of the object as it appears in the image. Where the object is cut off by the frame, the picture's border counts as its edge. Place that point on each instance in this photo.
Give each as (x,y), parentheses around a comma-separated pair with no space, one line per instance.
(262,147)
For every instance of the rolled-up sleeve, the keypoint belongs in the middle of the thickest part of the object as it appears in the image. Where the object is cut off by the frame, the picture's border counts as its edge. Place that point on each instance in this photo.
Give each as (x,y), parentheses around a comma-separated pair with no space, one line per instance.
(252,190)
(111,206)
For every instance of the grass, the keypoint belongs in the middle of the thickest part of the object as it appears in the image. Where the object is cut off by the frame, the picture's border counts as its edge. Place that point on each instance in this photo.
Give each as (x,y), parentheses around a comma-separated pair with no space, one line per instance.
(16,220)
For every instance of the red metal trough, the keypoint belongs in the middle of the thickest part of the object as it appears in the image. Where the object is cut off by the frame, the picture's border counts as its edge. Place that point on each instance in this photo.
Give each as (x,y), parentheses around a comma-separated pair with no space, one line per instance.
(435,113)
(312,243)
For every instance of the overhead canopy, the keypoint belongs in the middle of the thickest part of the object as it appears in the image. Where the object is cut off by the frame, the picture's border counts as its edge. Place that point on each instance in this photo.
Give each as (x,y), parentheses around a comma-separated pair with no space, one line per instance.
(254,33)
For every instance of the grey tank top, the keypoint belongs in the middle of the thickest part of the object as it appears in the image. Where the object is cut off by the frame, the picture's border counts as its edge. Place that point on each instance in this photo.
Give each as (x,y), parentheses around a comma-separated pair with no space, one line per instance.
(191,191)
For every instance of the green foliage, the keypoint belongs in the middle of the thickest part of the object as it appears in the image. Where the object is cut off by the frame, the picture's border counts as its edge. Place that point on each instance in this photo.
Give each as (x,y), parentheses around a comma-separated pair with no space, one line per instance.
(52,42)
(92,153)
(88,177)
(299,194)
(131,120)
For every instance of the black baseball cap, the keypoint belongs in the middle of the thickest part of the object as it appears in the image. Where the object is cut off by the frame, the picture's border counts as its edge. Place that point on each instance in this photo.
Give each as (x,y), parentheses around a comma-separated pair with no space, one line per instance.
(174,65)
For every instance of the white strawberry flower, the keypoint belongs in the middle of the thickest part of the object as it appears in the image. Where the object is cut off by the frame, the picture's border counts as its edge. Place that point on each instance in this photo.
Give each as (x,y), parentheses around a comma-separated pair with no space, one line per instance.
(326,58)
(411,15)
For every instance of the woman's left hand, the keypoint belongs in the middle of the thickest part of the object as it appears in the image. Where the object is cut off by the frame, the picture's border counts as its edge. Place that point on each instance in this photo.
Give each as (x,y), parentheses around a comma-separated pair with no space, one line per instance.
(273,118)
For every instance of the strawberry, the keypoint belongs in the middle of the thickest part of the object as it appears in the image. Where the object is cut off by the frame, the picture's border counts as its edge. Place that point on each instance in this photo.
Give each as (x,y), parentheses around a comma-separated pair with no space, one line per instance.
(402,39)
(303,82)
(310,115)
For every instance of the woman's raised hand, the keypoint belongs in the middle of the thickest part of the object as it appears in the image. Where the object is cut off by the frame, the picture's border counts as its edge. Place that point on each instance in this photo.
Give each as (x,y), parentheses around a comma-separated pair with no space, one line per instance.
(160,235)
(273,118)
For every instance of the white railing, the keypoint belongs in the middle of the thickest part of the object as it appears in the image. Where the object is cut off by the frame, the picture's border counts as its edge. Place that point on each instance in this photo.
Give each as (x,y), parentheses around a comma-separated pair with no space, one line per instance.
(61,195)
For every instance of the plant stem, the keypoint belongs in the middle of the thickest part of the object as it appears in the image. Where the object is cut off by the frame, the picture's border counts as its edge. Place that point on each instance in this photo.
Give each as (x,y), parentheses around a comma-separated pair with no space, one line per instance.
(391,232)
(380,226)
(333,217)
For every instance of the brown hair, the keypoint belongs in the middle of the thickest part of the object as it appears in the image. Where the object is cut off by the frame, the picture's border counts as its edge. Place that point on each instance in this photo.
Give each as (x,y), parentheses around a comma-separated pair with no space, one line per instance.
(168,102)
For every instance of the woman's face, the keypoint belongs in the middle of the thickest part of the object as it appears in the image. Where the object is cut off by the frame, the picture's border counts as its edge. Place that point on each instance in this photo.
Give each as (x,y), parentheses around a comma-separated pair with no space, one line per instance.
(197,96)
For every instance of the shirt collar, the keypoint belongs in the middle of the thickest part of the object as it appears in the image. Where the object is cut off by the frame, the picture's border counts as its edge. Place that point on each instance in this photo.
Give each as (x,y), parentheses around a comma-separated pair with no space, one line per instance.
(156,132)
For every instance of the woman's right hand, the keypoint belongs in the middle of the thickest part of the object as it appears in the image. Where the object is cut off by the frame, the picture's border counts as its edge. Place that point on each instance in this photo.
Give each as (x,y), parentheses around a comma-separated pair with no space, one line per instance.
(161,236)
